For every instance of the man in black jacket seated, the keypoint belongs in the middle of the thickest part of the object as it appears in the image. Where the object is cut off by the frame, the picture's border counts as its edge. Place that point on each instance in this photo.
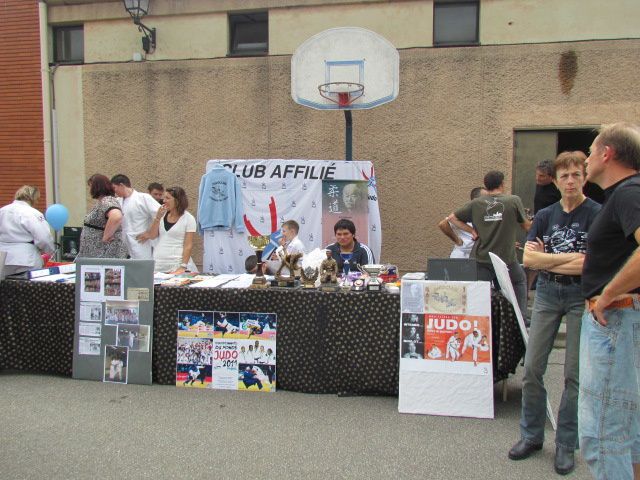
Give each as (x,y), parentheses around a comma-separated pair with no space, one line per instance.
(346,242)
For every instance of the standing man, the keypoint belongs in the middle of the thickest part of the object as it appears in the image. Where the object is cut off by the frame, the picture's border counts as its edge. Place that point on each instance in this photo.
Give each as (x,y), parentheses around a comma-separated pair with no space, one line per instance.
(462,239)
(496,218)
(556,245)
(139,210)
(546,191)
(156,190)
(609,402)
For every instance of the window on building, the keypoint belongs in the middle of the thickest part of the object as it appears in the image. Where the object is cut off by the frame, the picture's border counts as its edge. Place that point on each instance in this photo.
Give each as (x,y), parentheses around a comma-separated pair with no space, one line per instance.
(68,44)
(455,22)
(249,33)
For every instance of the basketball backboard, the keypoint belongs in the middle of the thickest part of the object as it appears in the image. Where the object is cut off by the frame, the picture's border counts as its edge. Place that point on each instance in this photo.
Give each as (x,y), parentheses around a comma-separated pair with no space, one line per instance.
(346,68)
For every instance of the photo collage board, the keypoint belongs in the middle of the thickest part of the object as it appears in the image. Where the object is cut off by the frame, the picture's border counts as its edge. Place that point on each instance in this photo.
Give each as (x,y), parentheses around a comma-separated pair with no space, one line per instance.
(226,350)
(114,318)
(445,348)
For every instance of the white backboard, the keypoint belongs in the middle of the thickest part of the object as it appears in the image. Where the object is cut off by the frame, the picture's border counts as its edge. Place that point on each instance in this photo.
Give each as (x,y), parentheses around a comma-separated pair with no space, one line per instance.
(351,55)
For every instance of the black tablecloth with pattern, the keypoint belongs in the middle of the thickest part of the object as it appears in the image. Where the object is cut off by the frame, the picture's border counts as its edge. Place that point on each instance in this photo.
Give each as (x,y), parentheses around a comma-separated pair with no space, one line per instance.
(327,342)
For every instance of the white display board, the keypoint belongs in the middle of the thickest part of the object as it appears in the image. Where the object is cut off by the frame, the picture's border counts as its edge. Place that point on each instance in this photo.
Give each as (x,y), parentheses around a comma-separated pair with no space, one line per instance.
(311,192)
(446,349)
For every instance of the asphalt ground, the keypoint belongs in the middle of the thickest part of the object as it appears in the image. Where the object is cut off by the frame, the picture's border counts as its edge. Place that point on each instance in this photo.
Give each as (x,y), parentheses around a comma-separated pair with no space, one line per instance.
(59,428)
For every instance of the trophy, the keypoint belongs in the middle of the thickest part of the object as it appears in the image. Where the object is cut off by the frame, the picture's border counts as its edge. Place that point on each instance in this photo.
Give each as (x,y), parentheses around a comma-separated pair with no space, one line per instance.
(329,274)
(290,262)
(373,270)
(346,267)
(258,242)
(309,276)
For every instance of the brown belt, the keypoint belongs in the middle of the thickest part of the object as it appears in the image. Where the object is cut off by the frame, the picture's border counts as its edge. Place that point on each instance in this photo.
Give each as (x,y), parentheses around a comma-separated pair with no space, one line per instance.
(626,302)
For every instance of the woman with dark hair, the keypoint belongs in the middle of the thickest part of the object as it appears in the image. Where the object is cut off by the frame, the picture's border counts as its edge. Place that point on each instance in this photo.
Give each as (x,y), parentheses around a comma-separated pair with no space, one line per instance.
(175,228)
(101,235)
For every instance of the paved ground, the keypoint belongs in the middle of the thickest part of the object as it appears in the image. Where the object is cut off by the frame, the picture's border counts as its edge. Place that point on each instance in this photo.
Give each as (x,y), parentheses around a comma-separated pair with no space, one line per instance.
(57,428)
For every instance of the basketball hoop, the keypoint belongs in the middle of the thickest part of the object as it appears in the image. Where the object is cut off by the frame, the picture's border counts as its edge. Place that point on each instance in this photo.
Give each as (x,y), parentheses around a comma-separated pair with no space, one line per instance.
(342,93)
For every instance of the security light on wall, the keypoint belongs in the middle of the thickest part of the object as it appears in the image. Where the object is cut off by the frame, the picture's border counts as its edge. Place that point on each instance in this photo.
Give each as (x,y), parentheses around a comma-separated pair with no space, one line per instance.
(138,9)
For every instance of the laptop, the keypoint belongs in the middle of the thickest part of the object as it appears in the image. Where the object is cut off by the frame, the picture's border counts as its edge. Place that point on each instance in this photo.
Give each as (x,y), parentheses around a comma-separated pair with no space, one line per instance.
(452,269)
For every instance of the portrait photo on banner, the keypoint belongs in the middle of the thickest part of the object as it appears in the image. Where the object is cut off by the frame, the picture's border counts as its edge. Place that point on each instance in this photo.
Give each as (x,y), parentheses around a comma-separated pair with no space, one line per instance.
(345,199)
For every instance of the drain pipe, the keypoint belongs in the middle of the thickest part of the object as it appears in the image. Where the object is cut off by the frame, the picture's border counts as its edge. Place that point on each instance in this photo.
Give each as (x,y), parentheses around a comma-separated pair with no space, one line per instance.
(50,157)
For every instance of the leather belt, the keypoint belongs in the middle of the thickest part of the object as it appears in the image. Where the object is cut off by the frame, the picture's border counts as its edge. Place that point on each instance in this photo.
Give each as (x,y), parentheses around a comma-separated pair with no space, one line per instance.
(561,279)
(93,226)
(622,303)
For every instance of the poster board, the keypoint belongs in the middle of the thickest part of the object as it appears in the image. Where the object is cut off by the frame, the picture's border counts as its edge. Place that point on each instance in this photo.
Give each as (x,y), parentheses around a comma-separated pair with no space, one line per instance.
(113,320)
(445,349)
(226,350)
(314,193)
(502,274)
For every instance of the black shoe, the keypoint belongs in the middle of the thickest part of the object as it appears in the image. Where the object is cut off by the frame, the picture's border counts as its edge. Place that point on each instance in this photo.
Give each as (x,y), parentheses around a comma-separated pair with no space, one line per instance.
(523,449)
(564,462)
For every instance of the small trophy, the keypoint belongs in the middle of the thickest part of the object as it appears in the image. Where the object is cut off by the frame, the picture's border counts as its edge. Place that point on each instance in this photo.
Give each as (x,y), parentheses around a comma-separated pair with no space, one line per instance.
(309,276)
(374,284)
(346,268)
(329,274)
(258,242)
(290,262)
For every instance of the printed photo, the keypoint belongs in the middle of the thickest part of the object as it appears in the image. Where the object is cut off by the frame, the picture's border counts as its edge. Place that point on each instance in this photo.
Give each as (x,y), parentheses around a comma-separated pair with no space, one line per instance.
(258,325)
(412,349)
(90,329)
(412,296)
(193,376)
(136,337)
(345,199)
(257,377)
(114,282)
(122,312)
(194,351)
(412,327)
(227,325)
(89,346)
(116,360)
(262,352)
(195,323)
(91,283)
(90,312)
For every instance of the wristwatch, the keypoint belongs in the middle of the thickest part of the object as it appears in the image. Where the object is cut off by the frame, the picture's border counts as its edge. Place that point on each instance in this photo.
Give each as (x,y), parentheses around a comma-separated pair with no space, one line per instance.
(184,265)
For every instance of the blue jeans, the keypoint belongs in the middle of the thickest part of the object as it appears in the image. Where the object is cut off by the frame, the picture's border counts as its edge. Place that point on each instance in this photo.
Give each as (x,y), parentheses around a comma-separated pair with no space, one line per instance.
(608,408)
(552,302)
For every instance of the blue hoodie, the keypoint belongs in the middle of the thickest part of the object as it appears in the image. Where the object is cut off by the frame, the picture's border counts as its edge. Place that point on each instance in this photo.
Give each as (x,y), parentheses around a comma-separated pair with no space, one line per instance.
(220,201)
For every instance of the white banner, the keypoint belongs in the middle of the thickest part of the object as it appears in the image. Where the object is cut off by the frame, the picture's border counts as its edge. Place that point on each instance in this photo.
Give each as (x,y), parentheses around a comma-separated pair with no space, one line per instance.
(274,191)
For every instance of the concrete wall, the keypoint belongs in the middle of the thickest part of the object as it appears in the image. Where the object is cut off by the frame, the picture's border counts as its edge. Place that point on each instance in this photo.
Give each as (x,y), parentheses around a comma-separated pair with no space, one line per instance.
(68,93)
(453,121)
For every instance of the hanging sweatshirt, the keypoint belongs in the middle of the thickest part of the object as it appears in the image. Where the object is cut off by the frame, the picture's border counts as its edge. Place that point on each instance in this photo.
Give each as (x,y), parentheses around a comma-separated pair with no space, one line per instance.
(220,201)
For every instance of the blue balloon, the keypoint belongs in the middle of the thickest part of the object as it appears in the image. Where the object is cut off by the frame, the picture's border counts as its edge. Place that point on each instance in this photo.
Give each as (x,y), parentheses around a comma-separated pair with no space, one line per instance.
(57,215)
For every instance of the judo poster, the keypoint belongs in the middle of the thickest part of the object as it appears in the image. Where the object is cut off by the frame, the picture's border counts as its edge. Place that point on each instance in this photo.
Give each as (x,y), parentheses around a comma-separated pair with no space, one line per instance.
(226,350)
(445,352)
(314,193)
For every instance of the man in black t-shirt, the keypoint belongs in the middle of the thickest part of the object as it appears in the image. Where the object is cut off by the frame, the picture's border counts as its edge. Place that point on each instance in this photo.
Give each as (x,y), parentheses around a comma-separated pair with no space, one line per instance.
(546,191)
(556,245)
(609,401)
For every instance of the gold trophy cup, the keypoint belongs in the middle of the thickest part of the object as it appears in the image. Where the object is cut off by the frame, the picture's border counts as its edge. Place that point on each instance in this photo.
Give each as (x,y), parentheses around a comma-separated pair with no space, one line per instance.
(258,242)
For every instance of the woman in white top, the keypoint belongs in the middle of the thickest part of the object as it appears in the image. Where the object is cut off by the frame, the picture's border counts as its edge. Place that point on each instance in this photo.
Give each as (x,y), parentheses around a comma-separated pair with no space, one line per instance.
(24,233)
(175,228)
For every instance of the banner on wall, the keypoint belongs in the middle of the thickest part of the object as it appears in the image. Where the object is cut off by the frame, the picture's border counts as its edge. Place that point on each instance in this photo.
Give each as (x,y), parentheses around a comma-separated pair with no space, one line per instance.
(226,350)
(445,352)
(314,193)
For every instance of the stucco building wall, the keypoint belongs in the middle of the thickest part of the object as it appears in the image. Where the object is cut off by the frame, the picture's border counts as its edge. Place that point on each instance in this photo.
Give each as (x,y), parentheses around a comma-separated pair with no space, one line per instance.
(453,121)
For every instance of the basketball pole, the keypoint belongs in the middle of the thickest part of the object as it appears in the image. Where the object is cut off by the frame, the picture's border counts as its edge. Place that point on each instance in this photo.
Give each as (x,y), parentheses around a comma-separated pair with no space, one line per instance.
(348,131)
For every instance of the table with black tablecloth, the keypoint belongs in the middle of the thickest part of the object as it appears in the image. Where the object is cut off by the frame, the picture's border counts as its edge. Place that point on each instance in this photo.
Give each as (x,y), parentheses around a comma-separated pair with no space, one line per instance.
(327,342)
